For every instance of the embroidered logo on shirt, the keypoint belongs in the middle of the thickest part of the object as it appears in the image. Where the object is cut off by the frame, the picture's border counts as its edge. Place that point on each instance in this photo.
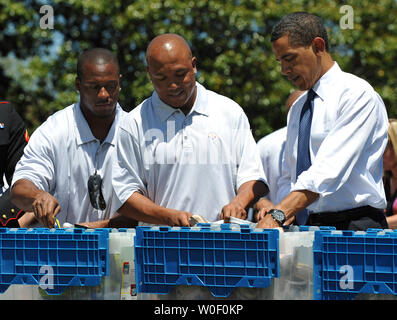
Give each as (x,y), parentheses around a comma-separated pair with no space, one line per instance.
(2,125)
(212,136)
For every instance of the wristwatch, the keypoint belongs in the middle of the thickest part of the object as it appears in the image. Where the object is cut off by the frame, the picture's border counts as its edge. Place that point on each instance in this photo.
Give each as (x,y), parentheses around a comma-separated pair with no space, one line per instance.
(278,215)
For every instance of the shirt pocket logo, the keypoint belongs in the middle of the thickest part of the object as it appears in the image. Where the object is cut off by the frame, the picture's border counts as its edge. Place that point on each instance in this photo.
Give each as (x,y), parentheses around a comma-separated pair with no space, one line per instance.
(212,136)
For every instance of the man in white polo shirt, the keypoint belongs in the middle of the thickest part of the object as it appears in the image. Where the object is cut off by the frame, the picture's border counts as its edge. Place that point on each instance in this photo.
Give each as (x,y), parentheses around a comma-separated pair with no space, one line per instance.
(65,172)
(185,150)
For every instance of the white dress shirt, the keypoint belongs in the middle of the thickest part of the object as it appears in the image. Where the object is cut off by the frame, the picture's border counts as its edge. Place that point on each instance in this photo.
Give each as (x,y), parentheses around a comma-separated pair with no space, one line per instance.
(271,150)
(60,157)
(195,162)
(347,140)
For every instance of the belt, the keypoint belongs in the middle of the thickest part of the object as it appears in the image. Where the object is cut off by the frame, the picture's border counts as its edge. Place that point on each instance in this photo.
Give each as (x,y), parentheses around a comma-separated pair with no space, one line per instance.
(344,215)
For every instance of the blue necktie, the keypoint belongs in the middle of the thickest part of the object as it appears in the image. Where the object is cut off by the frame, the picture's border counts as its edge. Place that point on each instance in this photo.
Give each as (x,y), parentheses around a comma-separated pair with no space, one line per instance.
(303,158)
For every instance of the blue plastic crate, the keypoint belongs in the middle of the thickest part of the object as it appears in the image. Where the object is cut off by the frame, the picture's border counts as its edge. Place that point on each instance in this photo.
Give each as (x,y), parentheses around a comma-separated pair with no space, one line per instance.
(217,259)
(347,263)
(53,258)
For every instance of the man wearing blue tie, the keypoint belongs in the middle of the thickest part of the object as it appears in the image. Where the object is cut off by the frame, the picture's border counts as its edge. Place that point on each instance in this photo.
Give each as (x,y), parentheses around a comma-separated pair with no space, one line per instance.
(337,132)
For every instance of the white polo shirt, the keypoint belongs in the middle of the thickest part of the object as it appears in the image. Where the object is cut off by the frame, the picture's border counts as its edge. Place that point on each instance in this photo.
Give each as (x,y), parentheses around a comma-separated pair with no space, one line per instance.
(347,140)
(195,162)
(60,157)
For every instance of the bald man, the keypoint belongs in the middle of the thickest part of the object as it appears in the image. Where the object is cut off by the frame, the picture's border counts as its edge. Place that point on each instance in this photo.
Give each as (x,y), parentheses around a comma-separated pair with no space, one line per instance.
(185,150)
(65,172)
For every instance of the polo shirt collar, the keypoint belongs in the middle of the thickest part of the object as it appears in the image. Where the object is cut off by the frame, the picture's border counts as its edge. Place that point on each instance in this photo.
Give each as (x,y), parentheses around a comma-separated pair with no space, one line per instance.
(201,103)
(83,131)
(164,111)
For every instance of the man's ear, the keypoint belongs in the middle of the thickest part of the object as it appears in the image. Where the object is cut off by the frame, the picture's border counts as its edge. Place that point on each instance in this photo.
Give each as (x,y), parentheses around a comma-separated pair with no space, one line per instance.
(77,83)
(194,64)
(318,45)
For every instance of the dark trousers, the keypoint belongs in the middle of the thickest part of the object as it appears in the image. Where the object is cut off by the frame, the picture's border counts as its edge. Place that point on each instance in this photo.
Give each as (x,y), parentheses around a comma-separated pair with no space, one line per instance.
(356,219)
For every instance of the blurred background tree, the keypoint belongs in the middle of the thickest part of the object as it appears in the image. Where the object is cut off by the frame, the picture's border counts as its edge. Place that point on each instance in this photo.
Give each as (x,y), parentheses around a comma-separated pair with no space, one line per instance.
(230,38)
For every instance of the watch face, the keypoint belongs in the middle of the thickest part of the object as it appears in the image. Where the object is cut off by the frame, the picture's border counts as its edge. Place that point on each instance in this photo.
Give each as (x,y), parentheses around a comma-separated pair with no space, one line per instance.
(278,215)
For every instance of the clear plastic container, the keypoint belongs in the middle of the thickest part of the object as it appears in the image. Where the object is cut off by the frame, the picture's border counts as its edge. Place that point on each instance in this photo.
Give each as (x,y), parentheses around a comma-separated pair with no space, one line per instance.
(296,265)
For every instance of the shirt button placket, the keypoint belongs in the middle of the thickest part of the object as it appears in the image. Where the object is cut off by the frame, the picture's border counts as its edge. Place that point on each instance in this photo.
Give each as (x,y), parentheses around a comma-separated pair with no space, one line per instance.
(185,141)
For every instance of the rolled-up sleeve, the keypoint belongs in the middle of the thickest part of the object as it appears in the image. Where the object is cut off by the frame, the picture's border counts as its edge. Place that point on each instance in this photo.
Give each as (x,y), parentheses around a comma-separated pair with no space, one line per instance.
(354,132)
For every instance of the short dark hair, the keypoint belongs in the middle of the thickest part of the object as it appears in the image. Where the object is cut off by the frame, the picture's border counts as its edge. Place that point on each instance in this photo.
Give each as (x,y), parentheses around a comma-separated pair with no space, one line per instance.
(301,28)
(96,54)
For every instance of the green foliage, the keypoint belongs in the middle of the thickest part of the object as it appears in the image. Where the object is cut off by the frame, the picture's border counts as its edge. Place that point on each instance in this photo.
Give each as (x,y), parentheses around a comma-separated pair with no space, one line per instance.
(231,40)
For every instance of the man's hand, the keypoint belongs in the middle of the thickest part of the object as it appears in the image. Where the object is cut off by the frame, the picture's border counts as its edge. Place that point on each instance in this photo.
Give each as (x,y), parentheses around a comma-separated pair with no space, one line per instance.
(268,222)
(290,205)
(263,206)
(140,208)
(233,209)
(179,218)
(45,208)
